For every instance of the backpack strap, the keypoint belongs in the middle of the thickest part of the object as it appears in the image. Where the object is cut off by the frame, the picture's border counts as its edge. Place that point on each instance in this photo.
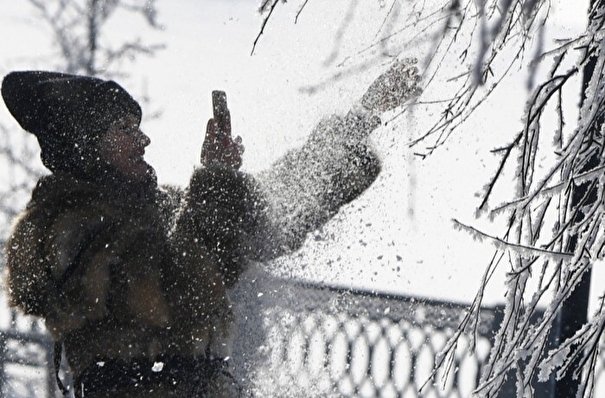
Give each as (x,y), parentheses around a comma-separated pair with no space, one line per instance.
(58,351)
(58,286)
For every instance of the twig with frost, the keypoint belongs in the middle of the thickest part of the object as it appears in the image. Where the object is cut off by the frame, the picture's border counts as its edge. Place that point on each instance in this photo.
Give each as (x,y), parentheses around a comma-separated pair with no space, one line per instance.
(505,245)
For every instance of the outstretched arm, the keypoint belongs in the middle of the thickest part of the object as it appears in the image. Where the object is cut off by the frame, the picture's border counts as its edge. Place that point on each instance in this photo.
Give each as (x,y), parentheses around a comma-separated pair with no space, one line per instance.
(310,184)
(240,218)
(307,186)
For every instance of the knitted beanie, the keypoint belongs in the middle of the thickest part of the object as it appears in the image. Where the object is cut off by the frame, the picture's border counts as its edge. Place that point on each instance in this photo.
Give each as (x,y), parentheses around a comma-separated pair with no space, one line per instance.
(67,113)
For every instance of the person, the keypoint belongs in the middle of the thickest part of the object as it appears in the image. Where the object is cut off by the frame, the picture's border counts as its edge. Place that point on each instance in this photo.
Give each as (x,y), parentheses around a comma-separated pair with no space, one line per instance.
(133,278)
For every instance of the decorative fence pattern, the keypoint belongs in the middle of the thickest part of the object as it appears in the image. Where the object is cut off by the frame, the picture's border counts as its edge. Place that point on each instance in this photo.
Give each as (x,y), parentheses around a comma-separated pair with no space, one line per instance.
(343,343)
(317,342)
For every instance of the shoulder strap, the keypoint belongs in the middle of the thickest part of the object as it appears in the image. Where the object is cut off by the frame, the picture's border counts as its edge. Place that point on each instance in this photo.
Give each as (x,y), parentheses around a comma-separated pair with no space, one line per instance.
(58,350)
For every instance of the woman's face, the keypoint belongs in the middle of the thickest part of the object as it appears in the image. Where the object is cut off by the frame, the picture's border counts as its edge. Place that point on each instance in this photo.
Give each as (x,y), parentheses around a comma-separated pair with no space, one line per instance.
(123,148)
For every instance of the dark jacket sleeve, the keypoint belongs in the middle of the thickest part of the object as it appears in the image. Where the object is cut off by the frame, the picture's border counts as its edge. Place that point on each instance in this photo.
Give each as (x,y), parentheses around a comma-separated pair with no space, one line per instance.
(225,211)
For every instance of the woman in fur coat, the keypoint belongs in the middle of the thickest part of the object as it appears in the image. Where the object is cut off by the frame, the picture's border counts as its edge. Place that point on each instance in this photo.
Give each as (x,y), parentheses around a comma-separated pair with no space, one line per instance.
(131,278)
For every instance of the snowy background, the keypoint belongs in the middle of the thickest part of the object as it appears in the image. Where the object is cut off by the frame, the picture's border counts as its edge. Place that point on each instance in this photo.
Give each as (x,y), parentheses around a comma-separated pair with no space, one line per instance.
(398,237)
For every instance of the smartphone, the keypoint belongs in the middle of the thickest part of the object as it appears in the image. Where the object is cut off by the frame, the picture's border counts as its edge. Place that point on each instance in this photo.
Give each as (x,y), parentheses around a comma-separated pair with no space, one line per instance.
(220,111)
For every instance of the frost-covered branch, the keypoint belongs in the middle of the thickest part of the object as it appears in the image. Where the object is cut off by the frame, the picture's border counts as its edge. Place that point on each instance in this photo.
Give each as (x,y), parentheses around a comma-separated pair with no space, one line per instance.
(507,245)
(556,210)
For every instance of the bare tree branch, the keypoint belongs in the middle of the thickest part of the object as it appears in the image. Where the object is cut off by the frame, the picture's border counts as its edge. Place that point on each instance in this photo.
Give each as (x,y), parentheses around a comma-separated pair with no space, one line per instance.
(265,21)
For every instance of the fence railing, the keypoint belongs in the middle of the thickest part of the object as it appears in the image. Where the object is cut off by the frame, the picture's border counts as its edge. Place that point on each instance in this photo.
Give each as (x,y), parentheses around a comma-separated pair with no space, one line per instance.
(307,341)
(323,341)
(26,359)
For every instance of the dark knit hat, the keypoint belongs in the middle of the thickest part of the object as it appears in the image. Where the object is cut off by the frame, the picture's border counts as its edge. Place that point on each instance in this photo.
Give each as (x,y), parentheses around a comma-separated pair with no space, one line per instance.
(67,113)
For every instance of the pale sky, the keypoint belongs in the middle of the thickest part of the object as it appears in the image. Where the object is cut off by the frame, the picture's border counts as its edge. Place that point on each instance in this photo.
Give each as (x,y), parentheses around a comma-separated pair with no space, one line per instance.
(376,244)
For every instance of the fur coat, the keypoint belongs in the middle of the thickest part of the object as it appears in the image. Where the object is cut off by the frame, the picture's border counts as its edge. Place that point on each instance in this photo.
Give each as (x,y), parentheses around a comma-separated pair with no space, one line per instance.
(128,273)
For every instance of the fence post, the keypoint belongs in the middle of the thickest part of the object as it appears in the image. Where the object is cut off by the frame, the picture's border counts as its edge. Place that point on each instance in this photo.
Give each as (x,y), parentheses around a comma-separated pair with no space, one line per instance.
(2,362)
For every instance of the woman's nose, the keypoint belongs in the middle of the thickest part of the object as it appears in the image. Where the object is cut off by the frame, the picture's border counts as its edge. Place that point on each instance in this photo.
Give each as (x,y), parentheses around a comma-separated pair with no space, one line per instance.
(145,140)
